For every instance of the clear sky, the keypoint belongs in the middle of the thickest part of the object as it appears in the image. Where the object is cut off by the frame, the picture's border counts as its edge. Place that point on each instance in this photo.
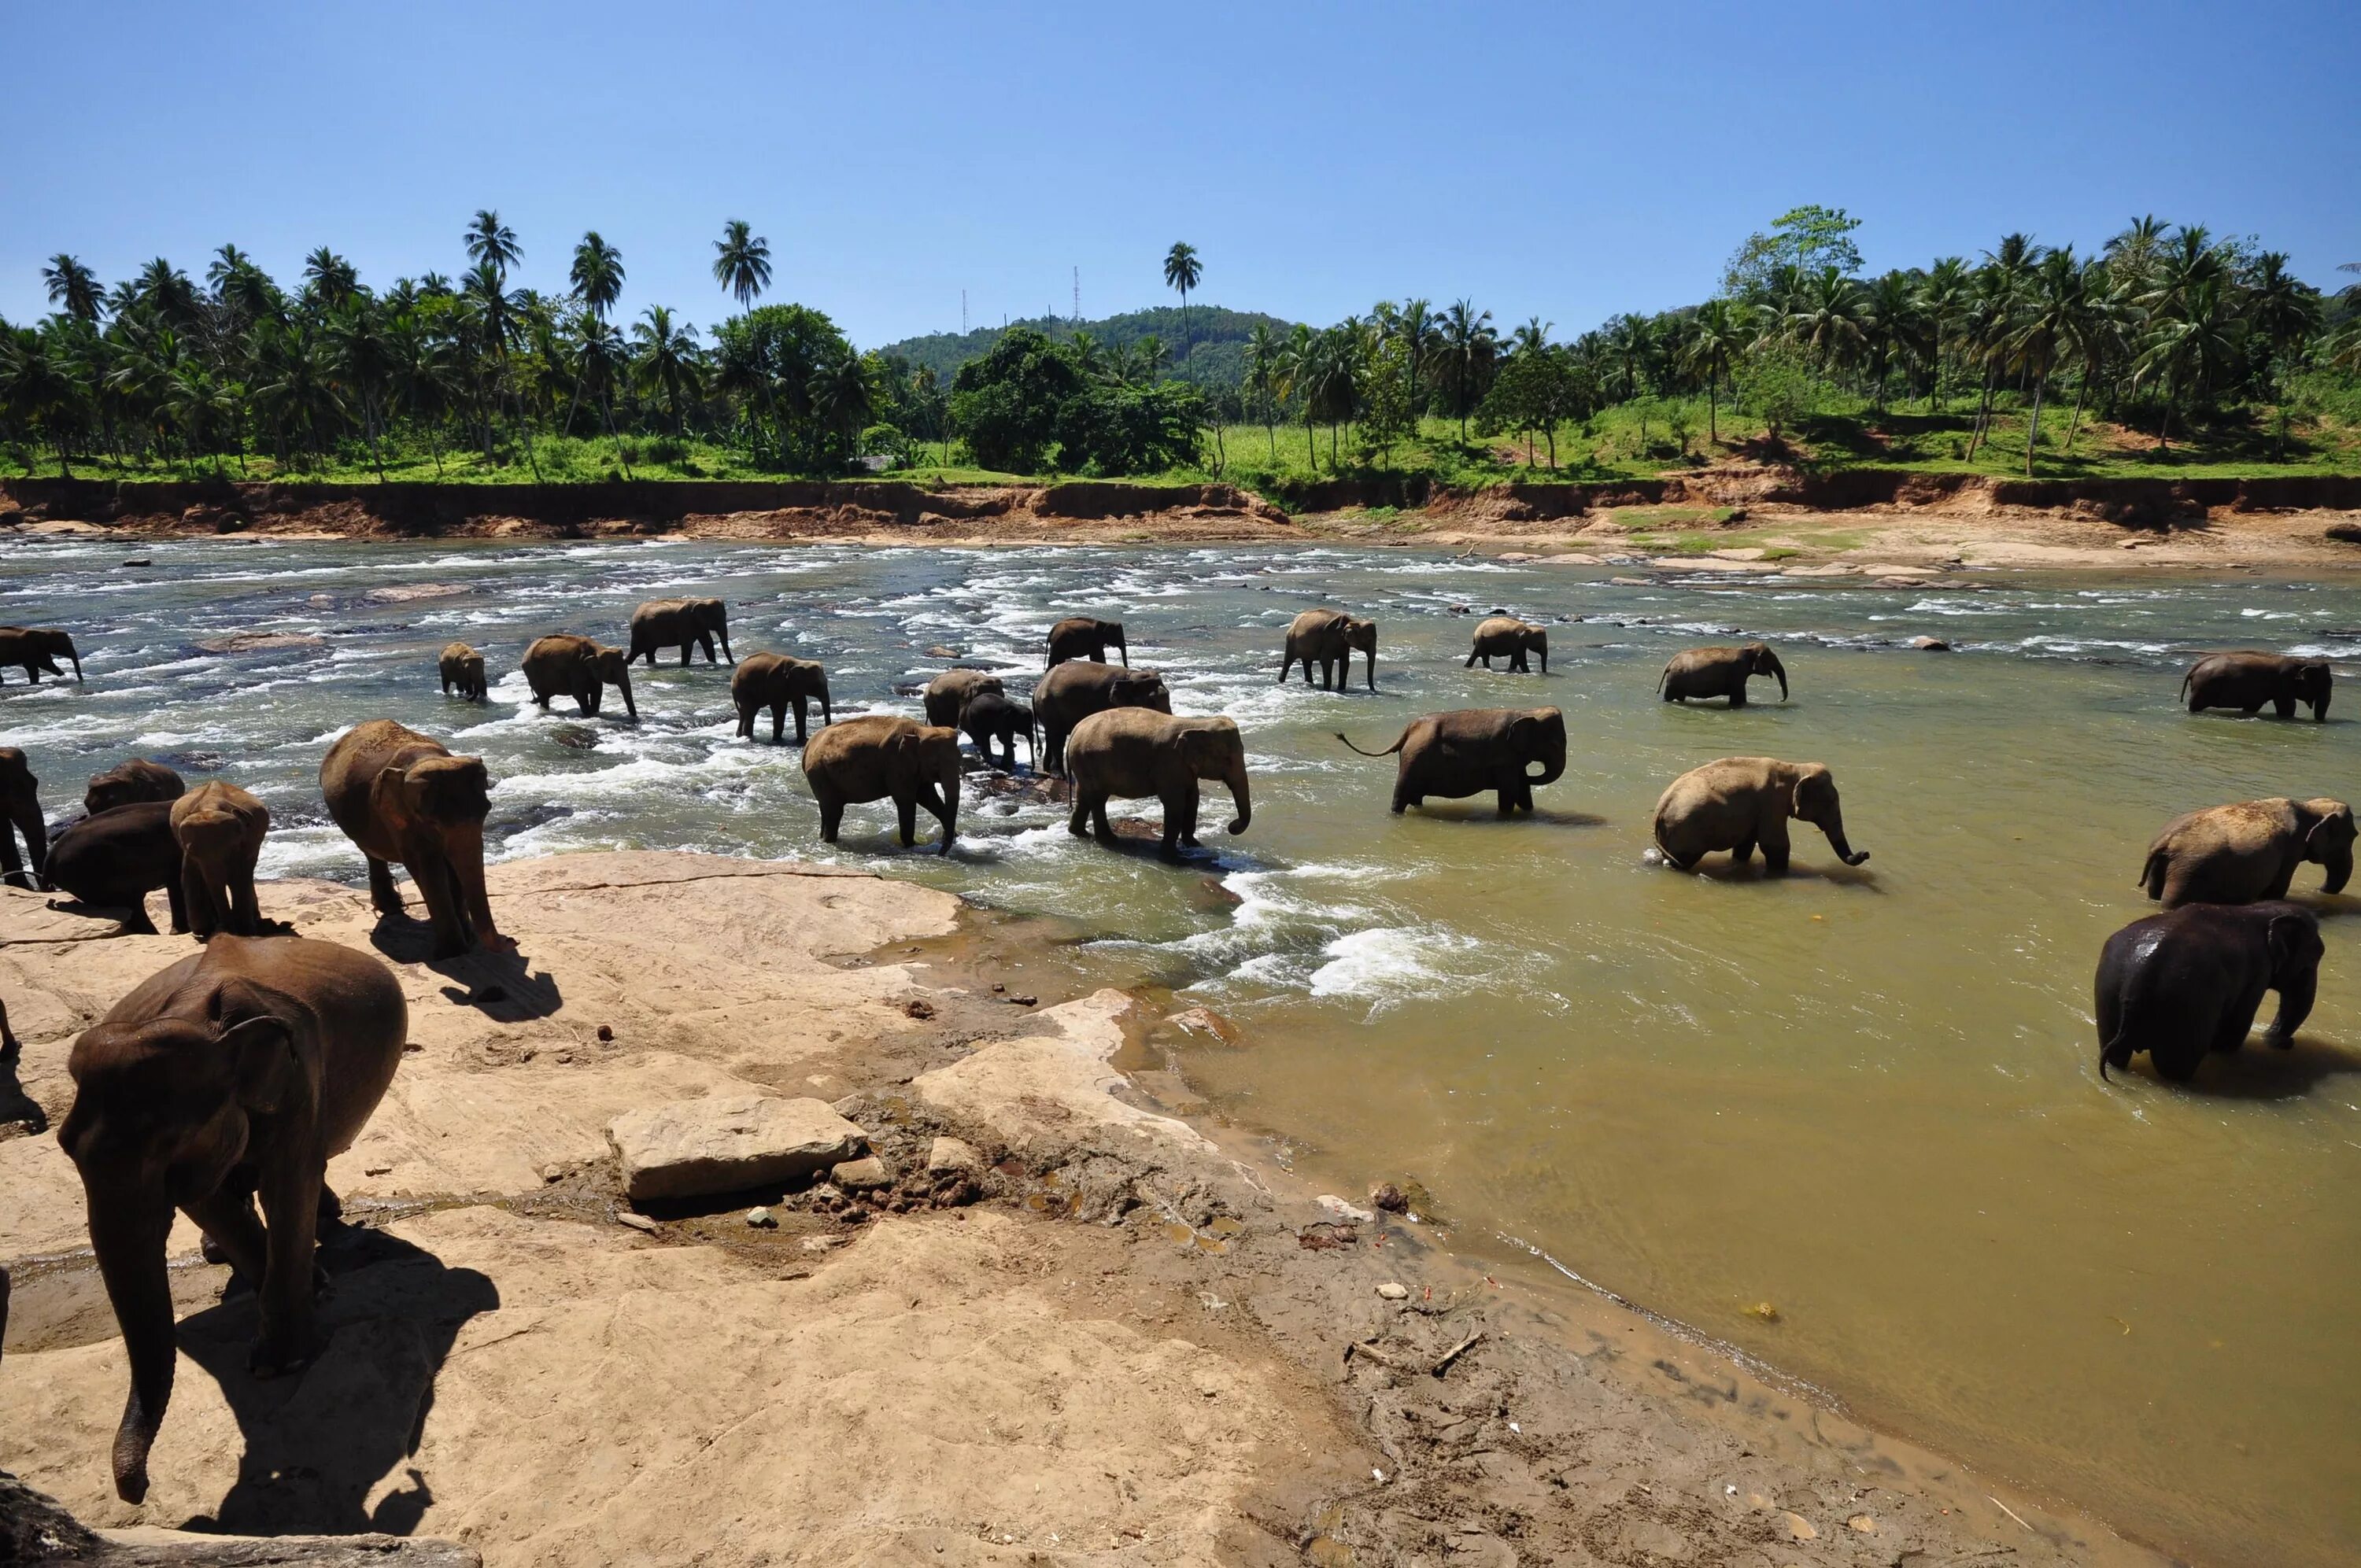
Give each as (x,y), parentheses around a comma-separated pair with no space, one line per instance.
(1568,161)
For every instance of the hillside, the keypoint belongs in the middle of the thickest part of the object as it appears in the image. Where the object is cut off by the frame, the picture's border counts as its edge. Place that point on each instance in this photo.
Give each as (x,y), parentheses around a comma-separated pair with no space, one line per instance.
(1214,339)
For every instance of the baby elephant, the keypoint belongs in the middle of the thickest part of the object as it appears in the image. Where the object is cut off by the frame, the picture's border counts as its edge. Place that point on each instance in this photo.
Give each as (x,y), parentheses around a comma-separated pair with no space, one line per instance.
(1329,636)
(1720,672)
(1504,636)
(37,650)
(1739,802)
(991,715)
(2247,680)
(563,665)
(20,814)
(878,756)
(463,670)
(114,860)
(951,690)
(127,784)
(1086,637)
(220,828)
(774,681)
(1135,752)
(1471,749)
(2236,854)
(2185,983)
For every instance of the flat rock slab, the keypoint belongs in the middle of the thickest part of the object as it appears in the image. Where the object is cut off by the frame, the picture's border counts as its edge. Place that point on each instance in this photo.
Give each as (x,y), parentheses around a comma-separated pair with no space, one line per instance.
(726,1142)
(125,1548)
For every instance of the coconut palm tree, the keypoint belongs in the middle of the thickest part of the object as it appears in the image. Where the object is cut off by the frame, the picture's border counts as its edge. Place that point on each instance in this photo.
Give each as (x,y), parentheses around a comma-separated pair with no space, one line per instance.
(74,288)
(362,363)
(2188,348)
(2093,337)
(1830,320)
(493,244)
(1419,329)
(1299,366)
(668,364)
(742,262)
(1718,336)
(2054,302)
(598,361)
(597,275)
(418,377)
(332,279)
(842,397)
(1469,346)
(2282,313)
(1181,271)
(1943,300)
(1262,378)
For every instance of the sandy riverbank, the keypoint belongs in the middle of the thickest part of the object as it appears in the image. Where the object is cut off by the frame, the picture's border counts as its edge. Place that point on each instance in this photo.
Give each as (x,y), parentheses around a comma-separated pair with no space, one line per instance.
(1112,1339)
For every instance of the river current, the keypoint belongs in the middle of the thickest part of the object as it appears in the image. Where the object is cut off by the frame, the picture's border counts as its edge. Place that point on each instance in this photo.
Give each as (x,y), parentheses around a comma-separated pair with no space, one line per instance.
(1866,1099)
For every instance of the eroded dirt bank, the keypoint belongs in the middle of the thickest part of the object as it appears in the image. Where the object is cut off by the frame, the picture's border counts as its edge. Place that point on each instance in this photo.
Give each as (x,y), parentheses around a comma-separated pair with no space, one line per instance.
(1106,1338)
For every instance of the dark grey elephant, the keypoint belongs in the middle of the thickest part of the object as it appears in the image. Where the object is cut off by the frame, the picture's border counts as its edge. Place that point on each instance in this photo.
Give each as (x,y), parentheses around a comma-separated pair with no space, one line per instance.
(950,692)
(2186,984)
(1720,672)
(1471,749)
(20,815)
(988,717)
(882,756)
(1135,753)
(1506,637)
(1085,637)
(37,650)
(683,624)
(1071,693)
(128,783)
(2247,680)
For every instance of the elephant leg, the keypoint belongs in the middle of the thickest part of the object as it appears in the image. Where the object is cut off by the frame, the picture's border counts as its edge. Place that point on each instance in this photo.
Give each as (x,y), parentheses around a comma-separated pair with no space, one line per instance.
(135,920)
(234,1230)
(446,907)
(1180,819)
(12,868)
(1742,852)
(2284,706)
(802,712)
(246,910)
(685,649)
(831,814)
(2250,712)
(746,721)
(290,1212)
(176,898)
(1773,837)
(1099,823)
(197,898)
(383,897)
(1471,661)
(1404,801)
(2279,883)
(905,811)
(1078,820)
(1738,696)
(706,642)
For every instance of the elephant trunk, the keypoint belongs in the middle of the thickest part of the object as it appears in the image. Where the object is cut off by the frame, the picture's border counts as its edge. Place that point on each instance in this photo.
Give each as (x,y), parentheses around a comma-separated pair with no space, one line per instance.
(1541,646)
(623,683)
(1123,648)
(2296,992)
(1235,777)
(465,847)
(1833,826)
(27,818)
(2339,862)
(1779,670)
(76,657)
(1552,765)
(129,1230)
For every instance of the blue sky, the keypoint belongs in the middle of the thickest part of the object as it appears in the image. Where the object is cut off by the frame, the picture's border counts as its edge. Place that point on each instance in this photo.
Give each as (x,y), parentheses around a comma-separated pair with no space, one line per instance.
(1563,160)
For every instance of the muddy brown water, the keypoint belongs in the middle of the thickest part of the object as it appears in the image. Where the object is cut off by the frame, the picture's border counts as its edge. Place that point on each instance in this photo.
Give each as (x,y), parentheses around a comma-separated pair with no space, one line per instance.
(1866,1099)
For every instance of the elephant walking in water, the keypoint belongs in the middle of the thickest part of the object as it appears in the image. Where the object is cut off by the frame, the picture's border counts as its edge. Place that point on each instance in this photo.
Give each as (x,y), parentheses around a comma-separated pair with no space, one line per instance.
(462,668)
(1329,636)
(950,692)
(563,665)
(989,717)
(2183,984)
(1071,693)
(220,828)
(1085,637)
(20,814)
(1471,749)
(1135,753)
(2247,680)
(400,795)
(2236,854)
(1737,803)
(681,623)
(878,756)
(774,681)
(1504,636)
(1720,672)
(35,650)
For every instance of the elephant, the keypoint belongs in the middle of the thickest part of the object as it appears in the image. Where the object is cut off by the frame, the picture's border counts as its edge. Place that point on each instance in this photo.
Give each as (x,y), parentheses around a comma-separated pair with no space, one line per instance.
(1470,750)
(115,858)
(220,828)
(1737,803)
(1504,636)
(1720,672)
(238,1072)
(563,665)
(400,795)
(772,681)
(2237,854)
(681,623)
(989,717)
(20,814)
(951,690)
(2180,985)
(1083,636)
(128,783)
(881,755)
(1329,636)
(2246,681)
(38,648)
(1135,753)
(1071,693)
(463,667)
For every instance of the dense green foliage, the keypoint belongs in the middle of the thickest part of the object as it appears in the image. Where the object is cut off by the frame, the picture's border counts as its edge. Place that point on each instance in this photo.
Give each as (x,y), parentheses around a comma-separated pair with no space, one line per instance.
(1031,405)
(1215,340)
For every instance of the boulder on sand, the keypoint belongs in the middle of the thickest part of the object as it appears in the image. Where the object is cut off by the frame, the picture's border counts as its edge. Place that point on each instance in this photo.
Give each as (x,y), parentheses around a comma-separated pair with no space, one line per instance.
(726,1142)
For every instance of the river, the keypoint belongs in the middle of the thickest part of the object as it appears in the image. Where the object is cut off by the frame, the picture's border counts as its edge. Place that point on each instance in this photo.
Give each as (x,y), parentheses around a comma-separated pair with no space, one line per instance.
(1867,1100)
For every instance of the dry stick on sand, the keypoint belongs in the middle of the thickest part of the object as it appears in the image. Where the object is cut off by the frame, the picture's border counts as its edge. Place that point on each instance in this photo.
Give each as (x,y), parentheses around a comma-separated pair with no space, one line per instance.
(1435,1368)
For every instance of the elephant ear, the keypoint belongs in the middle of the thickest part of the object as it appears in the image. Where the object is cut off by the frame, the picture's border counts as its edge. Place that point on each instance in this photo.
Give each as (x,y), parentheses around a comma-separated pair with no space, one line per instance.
(262,1051)
(2292,938)
(2334,828)
(390,799)
(1812,788)
(1525,732)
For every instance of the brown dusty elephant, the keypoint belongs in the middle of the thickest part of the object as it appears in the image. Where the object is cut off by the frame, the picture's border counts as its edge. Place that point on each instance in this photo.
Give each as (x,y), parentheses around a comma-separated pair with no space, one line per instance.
(1329,636)
(400,795)
(563,665)
(2245,681)
(2185,984)
(1739,802)
(680,623)
(880,756)
(1720,672)
(2236,854)
(989,717)
(128,783)
(220,828)
(462,669)
(950,691)
(115,858)
(1083,637)
(1470,750)
(1071,693)
(1504,636)
(20,815)
(774,681)
(1136,752)
(35,650)
(238,1072)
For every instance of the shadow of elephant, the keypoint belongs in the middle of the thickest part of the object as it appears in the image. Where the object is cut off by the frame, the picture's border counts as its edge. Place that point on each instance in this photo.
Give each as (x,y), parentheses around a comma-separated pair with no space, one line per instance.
(2256,1072)
(500,981)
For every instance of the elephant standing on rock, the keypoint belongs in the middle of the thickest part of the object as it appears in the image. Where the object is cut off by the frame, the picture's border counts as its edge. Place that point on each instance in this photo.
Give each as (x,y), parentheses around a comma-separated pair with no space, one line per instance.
(1471,749)
(989,717)
(1329,636)
(2182,984)
(220,828)
(400,795)
(682,623)
(238,1072)
(1720,672)
(129,783)
(1504,636)
(1739,802)
(1136,752)
(952,690)
(879,756)
(115,858)
(563,665)
(36,650)
(2236,854)
(462,668)
(774,681)
(1071,693)
(20,814)
(1081,637)
(2246,681)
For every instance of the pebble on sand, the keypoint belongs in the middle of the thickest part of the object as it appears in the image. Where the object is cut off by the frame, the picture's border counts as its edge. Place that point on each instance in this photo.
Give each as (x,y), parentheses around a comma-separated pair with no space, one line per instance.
(1394,1292)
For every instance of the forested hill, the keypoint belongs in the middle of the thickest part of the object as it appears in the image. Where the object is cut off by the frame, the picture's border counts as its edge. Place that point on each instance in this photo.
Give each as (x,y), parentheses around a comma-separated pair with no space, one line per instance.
(1214,340)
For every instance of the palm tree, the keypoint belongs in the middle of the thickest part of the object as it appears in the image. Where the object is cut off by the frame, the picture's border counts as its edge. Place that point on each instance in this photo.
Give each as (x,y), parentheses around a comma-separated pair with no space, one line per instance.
(2188,349)
(2053,305)
(363,363)
(1533,336)
(1419,329)
(1468,342)
(38,391)
(2282,313)
(1718,336)
(1894,329)
(599,357)
(333,278)
(667,363)
(1829,319)
(1984,333)
(1943,300)
(419,376)
(1262,376)
(166,291)
(493,244)
(742,262)
(74,288)
(1181,270)
(1299,364)
(597,275)
(2093,335)
(841,397)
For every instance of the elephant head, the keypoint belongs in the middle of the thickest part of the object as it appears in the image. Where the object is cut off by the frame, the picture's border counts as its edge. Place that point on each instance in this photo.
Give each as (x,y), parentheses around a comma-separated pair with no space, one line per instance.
(926,756)
(1761,661)
(126,784)
(612,666)
(56,644)
(1363,634)
(1213,749)
(435,809)
(1112,630)
(1145,689)
(1815,801)
(2312,680)
(2293,940)
(2328,834)
(1536,640)
(1540,736)
(160,1116)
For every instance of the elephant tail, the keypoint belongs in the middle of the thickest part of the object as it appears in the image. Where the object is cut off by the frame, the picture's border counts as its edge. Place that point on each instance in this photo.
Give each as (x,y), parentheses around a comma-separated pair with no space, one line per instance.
(1386,753)
(1664,674)
(2186,678)
(2106,1053)
(2152,873)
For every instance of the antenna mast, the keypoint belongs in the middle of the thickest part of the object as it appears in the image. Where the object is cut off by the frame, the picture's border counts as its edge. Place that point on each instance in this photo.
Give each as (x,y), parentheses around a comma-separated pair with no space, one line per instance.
(962,313)
(1078,296)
